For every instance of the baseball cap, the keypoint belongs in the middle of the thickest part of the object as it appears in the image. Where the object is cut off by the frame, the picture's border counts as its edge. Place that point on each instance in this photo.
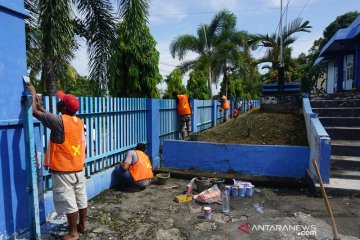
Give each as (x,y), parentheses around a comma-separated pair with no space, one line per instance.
(71,102)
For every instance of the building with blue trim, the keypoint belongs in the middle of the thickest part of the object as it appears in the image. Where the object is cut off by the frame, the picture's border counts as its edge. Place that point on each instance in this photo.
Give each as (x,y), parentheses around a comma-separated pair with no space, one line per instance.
(342,53)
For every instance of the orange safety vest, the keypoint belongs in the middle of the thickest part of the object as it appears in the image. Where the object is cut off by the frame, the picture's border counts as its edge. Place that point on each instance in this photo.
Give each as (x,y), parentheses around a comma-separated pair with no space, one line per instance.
(183,106)
(68,156)
(142,169)
(225,104)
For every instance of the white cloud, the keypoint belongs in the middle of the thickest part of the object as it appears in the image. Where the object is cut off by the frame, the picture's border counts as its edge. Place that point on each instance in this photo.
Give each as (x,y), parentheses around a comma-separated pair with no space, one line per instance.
(164,11)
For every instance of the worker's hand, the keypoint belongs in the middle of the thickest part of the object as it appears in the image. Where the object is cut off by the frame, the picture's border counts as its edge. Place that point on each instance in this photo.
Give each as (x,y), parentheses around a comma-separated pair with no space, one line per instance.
(39,100)
(31,88)
(121,163)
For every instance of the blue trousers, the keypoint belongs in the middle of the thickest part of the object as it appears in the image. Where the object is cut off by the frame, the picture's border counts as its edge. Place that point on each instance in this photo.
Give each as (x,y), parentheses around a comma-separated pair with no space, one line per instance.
(125,178)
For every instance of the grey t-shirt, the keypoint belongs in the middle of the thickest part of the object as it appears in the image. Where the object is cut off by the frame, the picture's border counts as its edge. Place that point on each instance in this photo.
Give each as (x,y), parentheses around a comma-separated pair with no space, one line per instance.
(55,124)
(132,158)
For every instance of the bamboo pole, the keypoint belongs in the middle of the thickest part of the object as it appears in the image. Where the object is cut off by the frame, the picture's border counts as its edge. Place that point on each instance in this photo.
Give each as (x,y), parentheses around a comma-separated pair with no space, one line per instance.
(327,204)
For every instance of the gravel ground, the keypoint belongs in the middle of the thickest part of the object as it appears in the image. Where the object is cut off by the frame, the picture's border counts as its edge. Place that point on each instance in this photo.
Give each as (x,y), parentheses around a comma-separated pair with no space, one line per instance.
(153,214)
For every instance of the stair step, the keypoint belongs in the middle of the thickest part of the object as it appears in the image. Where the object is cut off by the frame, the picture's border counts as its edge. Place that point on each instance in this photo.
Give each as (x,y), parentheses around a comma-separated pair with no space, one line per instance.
(340,121)
(345,158)
(348,96)
(345,147)
(338,112)
(353,143)
(342,185)
(345,163)
(343,133)
(334,103)
(348,174)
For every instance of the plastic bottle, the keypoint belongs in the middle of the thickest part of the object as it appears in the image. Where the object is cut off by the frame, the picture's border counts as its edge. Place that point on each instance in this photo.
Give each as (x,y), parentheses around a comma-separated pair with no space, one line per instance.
(225,202)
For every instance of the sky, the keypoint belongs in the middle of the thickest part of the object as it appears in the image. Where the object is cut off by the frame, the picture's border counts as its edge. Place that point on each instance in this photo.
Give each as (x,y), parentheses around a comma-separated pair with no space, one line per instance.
(169,19)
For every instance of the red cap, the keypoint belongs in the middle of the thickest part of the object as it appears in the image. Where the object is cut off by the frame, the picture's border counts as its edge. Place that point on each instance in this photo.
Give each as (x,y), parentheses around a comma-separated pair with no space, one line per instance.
(71,102)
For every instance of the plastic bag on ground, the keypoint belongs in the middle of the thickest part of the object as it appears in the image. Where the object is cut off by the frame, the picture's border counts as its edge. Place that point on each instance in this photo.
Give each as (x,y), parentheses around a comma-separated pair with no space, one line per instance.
(210,195)
(190,187)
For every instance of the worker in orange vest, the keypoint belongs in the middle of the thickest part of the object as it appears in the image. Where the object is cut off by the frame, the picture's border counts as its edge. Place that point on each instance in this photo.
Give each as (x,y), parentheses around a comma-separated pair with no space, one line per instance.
(65,158)
(136,170)
(224,105)
(184,113)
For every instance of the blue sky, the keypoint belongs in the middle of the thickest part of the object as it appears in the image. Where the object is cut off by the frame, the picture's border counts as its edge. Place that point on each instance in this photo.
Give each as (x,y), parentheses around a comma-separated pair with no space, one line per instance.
(171,18)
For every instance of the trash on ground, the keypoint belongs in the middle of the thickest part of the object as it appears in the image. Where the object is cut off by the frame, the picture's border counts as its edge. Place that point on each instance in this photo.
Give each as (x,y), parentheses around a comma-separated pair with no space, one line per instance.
(259,208)
(171,187)
(210,195)
(190,186)
(183,198)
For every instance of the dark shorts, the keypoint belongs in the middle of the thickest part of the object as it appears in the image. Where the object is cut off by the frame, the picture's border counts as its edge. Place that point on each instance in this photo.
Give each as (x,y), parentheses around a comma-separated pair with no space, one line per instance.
(185,121)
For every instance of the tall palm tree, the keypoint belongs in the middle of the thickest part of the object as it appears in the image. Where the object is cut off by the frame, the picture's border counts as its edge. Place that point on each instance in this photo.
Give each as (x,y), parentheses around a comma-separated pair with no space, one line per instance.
(272,42)
(215,45)
(53,35)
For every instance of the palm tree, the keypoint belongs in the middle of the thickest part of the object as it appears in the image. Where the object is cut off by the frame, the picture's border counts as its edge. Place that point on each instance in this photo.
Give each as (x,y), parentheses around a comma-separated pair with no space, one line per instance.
(215,45)
(52,34)
(272,42)
(133,70)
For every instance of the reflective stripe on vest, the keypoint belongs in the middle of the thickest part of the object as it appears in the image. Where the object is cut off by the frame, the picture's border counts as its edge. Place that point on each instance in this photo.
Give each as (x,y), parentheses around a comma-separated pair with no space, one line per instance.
(68,156)
(183,106)
(225,104)
(142,169)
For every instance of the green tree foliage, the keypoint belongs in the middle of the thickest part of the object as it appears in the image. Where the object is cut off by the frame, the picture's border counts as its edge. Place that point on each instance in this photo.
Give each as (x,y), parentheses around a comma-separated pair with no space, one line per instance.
(216,44)
(77,85)
(174,84)
(272,43)
(51,31)
(246,85)
(71,82)
(57,40)
(196,85)
(134,68)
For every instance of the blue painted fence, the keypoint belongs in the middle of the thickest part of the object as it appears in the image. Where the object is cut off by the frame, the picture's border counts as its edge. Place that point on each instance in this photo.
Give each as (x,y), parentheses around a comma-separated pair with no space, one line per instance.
(115,125)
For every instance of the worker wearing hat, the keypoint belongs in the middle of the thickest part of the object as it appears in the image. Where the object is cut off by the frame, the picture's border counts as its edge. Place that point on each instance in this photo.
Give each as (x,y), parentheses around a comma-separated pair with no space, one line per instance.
(65,158)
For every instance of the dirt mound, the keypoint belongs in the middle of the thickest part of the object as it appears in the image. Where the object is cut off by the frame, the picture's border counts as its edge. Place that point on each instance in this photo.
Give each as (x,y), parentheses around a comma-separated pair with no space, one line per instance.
(257,127)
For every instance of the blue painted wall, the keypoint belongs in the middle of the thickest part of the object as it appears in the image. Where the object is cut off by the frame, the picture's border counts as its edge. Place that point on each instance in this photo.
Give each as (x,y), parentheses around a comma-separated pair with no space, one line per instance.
(13,181)
(319,142)
(257,160)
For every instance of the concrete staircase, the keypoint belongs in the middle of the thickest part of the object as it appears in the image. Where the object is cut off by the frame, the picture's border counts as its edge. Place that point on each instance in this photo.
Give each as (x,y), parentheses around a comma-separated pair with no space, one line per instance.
(340,115)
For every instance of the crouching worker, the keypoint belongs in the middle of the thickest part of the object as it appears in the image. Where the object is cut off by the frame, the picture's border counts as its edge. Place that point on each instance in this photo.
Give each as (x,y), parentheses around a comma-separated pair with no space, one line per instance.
(136,170)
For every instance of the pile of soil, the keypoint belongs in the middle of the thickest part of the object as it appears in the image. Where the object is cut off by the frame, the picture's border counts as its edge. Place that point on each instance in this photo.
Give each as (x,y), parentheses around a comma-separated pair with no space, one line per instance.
(258,127)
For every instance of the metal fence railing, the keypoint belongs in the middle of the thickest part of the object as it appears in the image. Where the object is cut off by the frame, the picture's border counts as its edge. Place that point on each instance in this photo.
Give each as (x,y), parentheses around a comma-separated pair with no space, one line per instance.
(115,125)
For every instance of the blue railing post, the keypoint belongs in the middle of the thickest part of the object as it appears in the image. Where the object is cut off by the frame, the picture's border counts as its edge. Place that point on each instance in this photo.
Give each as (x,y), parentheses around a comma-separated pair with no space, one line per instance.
(153,130)
(214,113)
(32,186)
(325,156)
(194,120)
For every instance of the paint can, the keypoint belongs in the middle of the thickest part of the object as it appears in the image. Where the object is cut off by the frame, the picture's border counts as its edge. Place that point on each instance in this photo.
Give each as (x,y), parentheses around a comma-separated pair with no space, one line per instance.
(235,191)
(249,191)
(228,189)
(242,190)
(207,213)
